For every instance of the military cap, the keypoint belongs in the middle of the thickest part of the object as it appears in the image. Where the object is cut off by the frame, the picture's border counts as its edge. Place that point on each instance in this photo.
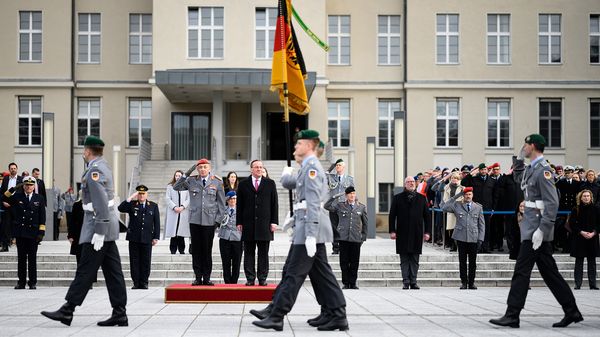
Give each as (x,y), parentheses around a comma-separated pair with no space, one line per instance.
(569,168)
(481,166)
(494,165)
(465,168)
(93,141)
(579,168)
(321,145)
(29,181)
(339,161)
(141,189)
(350,189)
(467,189)
(437,168)
(307,134)
(456,169)
(203,161)
(230,194)
(535,138)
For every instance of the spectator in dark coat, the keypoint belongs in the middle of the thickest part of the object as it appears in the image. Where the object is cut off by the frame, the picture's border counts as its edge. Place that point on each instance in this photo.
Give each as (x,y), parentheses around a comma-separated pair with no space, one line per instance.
(590,183)
(515,231)
(8,181)
(507,196)
(568,187)
(585,225)
(483,193)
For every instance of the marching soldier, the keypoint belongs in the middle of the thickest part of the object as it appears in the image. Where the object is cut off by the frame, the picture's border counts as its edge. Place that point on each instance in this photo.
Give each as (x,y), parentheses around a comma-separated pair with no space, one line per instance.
(338,182)
(537,232)
(143,233)
(99,232)
(207,210)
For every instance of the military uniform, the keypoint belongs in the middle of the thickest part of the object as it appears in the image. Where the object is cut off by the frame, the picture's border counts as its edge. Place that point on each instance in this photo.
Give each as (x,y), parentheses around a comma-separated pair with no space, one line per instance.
(230,246)
(337,185)
(568,189)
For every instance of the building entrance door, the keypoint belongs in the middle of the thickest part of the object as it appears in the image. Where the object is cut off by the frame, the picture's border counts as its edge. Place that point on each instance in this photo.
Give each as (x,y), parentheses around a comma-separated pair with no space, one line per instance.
(276,133)
(190,136)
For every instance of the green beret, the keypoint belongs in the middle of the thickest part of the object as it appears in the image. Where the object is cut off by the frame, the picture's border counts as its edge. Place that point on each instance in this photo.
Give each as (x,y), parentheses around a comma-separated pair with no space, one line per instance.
(535,139)
(307,134)
(321,145)
(339,161)
(142,188)
(93,141)
(481,166)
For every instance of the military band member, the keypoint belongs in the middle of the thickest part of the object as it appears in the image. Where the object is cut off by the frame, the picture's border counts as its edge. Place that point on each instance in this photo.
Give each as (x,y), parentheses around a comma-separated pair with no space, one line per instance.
(207,210)
(230,241)
(143,233)
(99,232)
(338,181)
(537,232)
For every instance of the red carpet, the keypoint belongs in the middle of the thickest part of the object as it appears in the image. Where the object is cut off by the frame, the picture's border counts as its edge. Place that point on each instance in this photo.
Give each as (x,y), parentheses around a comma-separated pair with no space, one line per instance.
(219,293)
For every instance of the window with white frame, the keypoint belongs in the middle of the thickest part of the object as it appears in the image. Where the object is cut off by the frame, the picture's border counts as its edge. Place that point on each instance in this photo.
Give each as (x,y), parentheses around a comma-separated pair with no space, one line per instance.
(338,36)
(338,112)
(595,123)
(388,39)
(447,38)
(447,122)
(30,36)
(549,39)
(140,120)
(266,19)
(386,193)
(205,32)
(550,111)
(140,38)
(30,121)
(498,123)
(88,118)
(595,38)
(89,37)
(386,109)
(498,38)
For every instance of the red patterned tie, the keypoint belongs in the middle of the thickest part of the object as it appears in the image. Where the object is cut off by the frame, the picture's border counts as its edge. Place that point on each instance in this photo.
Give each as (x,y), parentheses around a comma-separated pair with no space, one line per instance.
(256,184)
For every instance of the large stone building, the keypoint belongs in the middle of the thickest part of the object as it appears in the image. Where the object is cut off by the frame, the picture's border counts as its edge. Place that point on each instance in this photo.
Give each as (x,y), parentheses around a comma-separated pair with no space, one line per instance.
(192,78)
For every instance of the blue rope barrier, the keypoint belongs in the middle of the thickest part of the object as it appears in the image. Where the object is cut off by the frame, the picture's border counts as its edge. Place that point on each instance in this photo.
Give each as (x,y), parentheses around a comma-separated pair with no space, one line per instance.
(500,212)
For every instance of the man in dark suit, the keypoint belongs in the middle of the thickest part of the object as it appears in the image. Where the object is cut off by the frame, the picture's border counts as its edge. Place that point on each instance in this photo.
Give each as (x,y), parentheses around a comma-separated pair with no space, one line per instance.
(257,211)
(8,182)
(40,186)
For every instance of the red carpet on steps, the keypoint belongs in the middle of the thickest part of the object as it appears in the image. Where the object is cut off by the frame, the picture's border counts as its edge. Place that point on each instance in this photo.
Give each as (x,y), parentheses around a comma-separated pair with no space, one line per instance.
(219,293)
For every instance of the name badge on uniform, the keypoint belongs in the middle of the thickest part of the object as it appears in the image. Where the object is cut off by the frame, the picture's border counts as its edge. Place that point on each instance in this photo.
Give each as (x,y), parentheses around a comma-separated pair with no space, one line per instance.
(312,174)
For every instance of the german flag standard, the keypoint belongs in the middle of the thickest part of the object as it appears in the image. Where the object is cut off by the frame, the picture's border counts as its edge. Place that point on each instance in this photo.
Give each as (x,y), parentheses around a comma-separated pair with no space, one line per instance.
(288,65)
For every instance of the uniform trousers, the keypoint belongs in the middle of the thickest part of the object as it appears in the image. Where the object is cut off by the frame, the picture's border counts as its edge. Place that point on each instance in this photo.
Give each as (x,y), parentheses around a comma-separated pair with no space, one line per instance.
(202,240)
(231,257)
(591,269)
(485,247)
(263,260)
(349,261)
(27,257)
(409,264)
(333,218)
(69,216)
(56,225)
(467,249)
(300,265)
(6,225)
(140,259)
(549,271)
(177,243)
(91,260)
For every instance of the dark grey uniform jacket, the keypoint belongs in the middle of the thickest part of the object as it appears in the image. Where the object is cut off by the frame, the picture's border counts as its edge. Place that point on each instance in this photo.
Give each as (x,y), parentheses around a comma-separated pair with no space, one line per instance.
(207,203)
(352,221)
(470,225)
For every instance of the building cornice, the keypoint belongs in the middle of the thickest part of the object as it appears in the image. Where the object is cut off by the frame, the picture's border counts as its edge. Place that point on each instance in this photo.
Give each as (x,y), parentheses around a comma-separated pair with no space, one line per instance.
(502,84)
(35,83)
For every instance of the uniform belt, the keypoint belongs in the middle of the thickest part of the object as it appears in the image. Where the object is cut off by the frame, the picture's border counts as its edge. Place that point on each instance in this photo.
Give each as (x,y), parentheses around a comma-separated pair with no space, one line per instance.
(90,207)
(302,205)
(538,204)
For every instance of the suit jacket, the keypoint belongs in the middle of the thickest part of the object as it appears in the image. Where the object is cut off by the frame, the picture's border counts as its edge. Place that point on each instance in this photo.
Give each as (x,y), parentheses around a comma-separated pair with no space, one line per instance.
(4,187)
(42,190)
(407,218)
(257,210)
(29,216)
(483,190)
(144,222)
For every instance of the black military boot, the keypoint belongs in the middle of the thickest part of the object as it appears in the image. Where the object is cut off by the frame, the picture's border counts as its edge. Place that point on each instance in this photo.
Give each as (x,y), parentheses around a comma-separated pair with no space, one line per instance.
(337,320)
(63,315)
(273,321)
(118,317)
(571,316)
(262,314)
(510,318)
(323,318)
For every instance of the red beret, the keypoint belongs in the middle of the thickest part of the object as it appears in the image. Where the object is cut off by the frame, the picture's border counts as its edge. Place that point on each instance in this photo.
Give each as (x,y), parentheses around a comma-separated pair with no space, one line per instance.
(467,189)
(5,174)
(494,165)
(203,161)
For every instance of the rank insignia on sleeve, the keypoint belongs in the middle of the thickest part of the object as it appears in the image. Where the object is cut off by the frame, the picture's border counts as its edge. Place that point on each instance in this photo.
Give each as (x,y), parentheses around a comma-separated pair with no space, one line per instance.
(547,175)
(312,174)
(95,176)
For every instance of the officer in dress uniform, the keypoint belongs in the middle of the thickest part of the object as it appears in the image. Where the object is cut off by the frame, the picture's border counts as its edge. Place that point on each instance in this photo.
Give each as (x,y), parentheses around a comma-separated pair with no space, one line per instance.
(568,189)
(311,230)
(29,218)
(230,241)
(537,232)
(337,182)
(143,233)
(207,210)
(99,232)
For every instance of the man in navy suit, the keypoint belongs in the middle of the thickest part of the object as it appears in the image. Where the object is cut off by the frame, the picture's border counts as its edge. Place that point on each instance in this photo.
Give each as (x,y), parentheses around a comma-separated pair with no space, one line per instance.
(8,182)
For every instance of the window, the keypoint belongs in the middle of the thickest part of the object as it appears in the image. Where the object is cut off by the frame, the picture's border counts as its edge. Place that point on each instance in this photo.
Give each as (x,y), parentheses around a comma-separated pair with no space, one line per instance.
(549,39)
(205,32)
(30,36)
(140,38)
(386,193)
(30,121)
(388,39)
(386,121)
(266,19)
(551,121)
(89,38)
(140,120)
(88,119)
(498,124)
(447,122)
(339,39)
(447,38)
(498,38)
(595,38)
(595,123)
(339,122)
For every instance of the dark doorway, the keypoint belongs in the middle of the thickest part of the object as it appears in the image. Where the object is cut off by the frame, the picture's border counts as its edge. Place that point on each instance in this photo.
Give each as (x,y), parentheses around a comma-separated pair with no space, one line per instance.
(190,136)
(276,133)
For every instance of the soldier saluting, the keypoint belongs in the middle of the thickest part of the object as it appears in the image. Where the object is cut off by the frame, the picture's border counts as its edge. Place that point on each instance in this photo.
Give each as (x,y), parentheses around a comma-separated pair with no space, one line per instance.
(537,232)
(337,181)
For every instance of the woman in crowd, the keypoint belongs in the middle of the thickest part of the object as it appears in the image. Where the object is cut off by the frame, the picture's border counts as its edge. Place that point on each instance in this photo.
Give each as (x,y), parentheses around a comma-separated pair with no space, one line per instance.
(230,244)
(231,183)
(515,231)
(591,183)
(585,225)
(450,190)
(177,225)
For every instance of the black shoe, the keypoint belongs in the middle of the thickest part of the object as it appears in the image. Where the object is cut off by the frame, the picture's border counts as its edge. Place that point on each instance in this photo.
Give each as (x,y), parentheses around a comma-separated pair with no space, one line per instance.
(453,249)
(136,287)
(32,287)
(319,320)
(262,314)
(118,318)
(406,286)
(249,284)
(577,287)
(20,286)
(63,315)
(208,283)
(346,286)
(337,320)
(196,282)
(262,283)
(353,286)
(144,286)
(501,250)
(270,322)
(568,319)
(512,322)
(4,249)
(593,288)
(414,286)
(472,286)
(463,286)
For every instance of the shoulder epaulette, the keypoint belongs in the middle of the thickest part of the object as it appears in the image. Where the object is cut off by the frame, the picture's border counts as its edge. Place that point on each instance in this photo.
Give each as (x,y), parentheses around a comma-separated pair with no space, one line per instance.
(217,177)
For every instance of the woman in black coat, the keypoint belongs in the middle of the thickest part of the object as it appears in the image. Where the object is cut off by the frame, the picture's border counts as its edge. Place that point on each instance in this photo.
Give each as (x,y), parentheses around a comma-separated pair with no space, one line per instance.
(515,232)
(590,183)
(585,224)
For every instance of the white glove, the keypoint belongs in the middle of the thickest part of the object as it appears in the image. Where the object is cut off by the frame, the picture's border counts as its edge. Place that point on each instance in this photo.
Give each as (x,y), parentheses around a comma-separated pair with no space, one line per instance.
(521,154)
(311,246)
(288,222)
(537,238)
(287,171)
(98,241)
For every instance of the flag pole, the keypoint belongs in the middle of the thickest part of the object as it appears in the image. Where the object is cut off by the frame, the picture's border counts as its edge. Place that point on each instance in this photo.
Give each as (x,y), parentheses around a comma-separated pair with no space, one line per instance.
(288,146)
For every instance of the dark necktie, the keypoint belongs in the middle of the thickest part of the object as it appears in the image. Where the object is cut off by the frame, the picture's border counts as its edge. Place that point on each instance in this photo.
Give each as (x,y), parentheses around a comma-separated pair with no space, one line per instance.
(204,182)
(469,208)
(231,211)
